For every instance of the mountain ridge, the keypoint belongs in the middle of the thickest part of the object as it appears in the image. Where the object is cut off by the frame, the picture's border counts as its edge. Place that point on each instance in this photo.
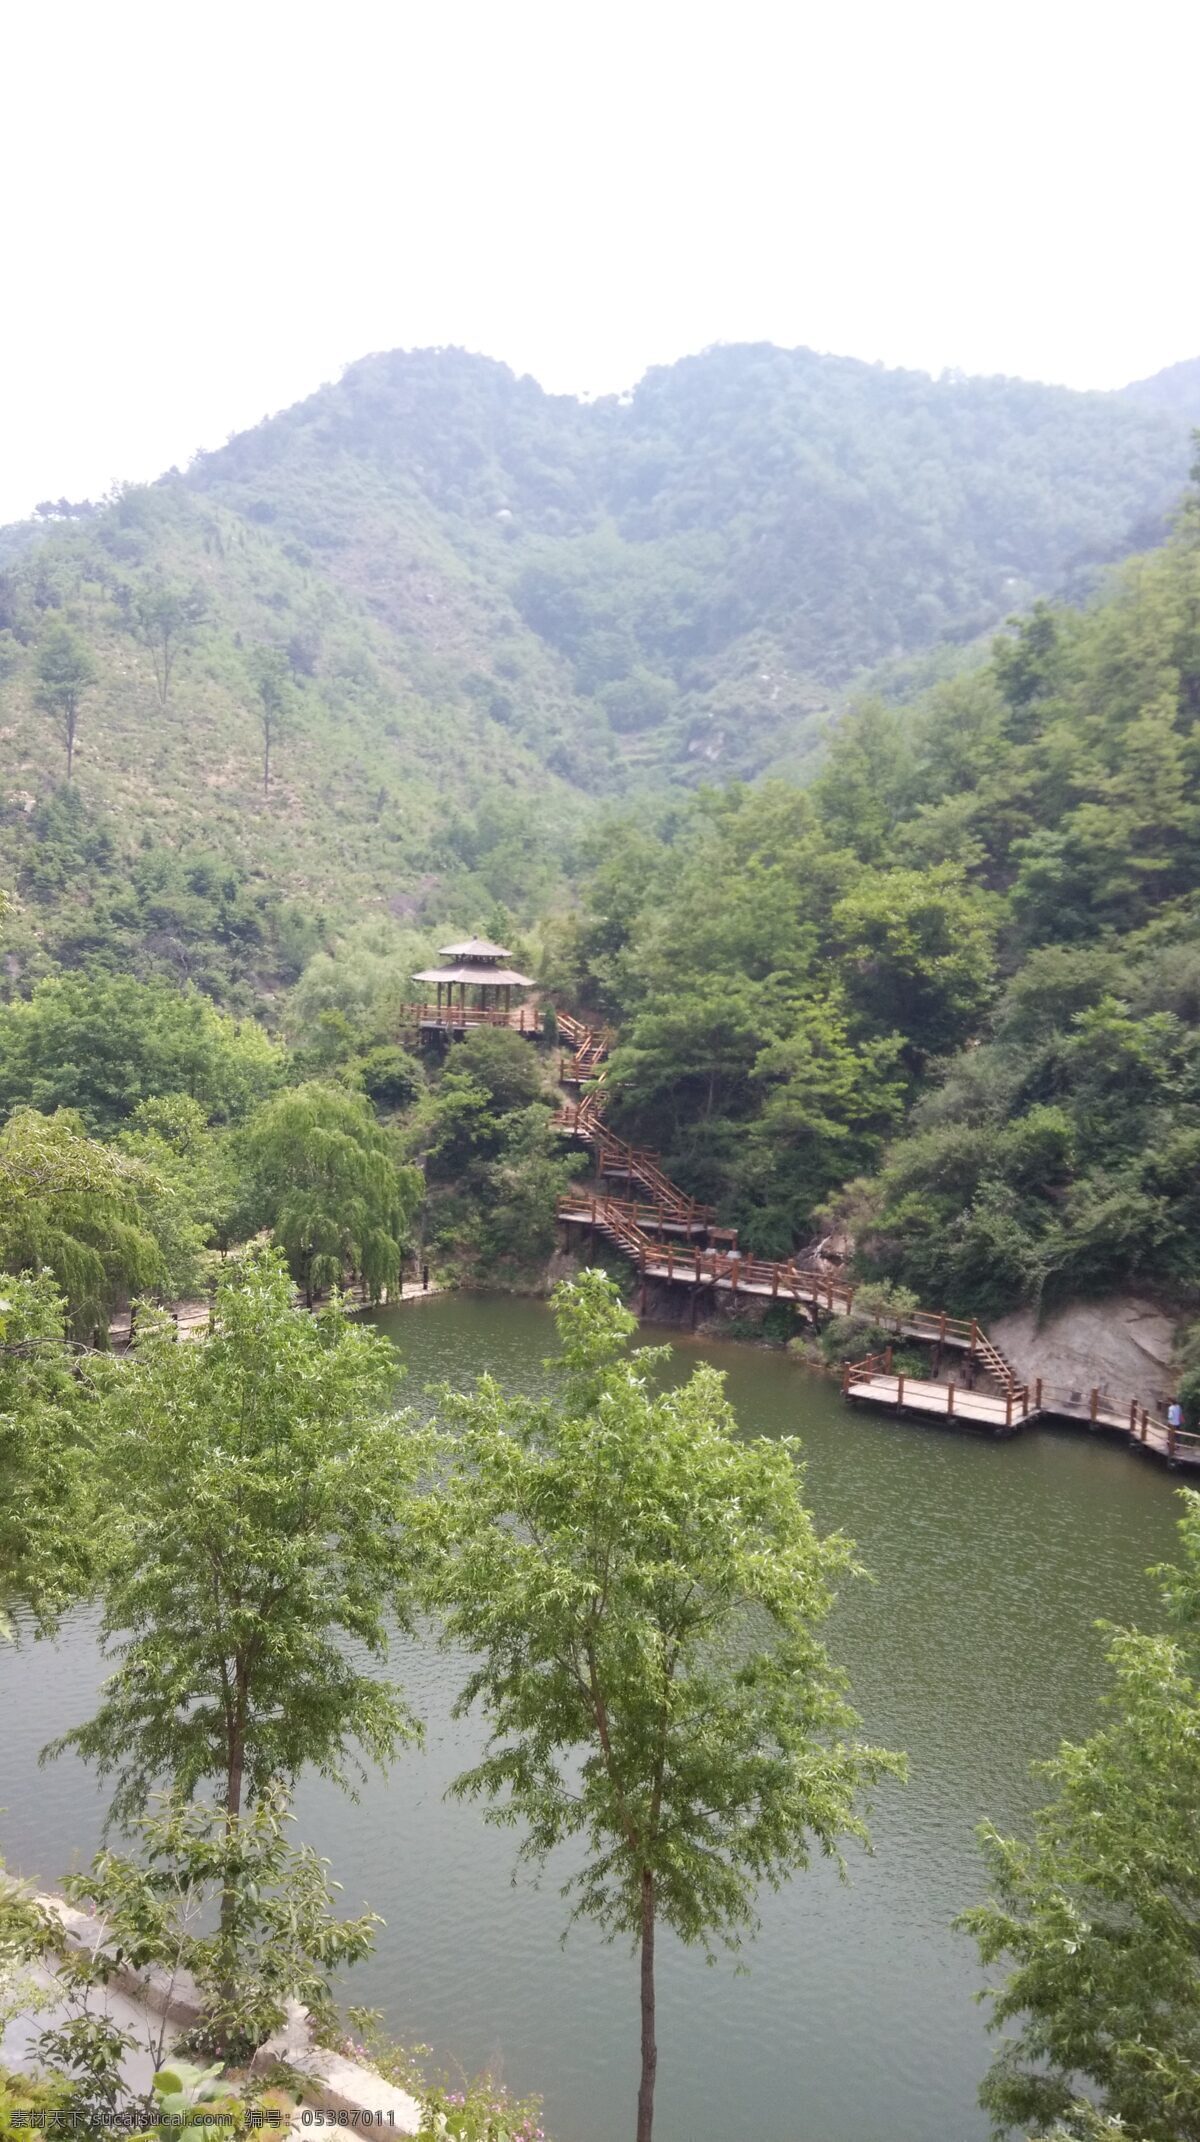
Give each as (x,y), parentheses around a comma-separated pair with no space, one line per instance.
(496,608)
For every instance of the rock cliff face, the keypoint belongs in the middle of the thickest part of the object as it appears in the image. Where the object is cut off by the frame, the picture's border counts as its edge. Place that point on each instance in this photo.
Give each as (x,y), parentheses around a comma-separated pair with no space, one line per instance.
(1121,1343)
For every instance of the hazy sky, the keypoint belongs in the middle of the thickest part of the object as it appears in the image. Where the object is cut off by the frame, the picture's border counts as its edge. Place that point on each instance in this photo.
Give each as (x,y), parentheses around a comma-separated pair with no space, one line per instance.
(211,209)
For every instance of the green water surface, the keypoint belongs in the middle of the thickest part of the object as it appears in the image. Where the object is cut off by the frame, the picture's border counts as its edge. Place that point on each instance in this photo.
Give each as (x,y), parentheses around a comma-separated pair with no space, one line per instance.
(973,1648)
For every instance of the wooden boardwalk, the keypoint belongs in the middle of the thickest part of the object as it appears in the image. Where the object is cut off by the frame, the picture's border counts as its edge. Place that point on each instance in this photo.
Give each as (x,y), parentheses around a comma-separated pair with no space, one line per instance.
(644,1229)
(193,1319)
(964,1407)
(967,1407)
(673,1239)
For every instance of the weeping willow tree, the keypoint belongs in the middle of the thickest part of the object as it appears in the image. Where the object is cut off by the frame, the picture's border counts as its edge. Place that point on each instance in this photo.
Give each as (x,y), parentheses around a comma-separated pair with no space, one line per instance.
(74,1208)
(326,1178)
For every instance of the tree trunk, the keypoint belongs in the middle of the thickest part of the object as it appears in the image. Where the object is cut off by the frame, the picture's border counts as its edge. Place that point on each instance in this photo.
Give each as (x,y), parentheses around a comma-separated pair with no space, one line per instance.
(234,1776)
(266,762)
(645,2108)
(235,1773)
(70,745)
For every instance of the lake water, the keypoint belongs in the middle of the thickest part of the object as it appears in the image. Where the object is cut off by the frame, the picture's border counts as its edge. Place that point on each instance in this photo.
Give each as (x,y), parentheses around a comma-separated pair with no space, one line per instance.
(973,1648)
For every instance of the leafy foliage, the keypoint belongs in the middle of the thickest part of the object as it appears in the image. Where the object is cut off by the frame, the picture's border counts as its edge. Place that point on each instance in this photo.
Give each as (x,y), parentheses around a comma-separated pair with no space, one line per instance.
(982,923)
(261,1489)
(494,1165)
(79,1211)
(642,1591)
(327,1179)
(47,1547)
(1096,1915)
(274,1939)
(479,2110)
(103,1045)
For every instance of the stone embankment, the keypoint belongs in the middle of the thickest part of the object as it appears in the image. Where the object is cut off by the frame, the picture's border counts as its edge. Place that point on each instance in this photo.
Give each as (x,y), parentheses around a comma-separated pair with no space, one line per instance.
(156,2007)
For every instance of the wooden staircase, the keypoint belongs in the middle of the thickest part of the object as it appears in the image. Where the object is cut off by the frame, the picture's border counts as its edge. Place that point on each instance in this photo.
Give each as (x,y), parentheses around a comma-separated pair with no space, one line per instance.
(616,1158)
(998,1366)
(658,1228)
(642,1227)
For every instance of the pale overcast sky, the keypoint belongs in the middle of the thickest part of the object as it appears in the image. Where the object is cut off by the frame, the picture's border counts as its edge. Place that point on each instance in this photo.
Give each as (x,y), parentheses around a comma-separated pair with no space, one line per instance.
(212,209)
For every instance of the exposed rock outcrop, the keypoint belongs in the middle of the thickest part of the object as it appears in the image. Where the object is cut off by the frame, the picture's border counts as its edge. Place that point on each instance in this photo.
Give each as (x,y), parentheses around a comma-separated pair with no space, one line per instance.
(1121,1343)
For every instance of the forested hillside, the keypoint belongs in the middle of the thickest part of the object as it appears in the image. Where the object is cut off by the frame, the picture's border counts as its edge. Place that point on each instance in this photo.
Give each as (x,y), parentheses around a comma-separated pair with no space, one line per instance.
(386,652)
(253,757)
(711,557)
(961,972)
(436,650)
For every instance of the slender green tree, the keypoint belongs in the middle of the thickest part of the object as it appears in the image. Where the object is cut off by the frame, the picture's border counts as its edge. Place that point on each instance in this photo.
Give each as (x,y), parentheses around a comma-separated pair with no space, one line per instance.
(165,617)
(643,1593)
(65,671)
(1098,1915)
(264,1487)
(279,1942)
(275,694)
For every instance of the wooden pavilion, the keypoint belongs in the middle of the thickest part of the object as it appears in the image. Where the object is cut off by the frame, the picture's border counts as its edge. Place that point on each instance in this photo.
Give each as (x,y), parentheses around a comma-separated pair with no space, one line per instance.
(479,971)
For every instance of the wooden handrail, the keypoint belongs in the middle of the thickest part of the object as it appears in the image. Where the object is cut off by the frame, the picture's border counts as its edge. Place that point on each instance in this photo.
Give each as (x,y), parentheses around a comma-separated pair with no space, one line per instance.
(789,1280)
(525,1018)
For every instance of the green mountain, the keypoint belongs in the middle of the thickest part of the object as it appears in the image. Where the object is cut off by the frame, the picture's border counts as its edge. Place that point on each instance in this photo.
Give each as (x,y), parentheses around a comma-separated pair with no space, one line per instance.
(712,557)
(477,608)
(1176,391)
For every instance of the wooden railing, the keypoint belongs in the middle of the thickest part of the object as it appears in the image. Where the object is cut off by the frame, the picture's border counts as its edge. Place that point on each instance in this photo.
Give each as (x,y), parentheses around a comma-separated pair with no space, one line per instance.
(1018,1400)
(616,1153)
(1101,1407)
(996,1363)
(590,1046)
(583,1119)
(612,1215)
(572,1029)
(862,1371)
(617,1156)
(522,1018)
(726,1265)
(713,1267)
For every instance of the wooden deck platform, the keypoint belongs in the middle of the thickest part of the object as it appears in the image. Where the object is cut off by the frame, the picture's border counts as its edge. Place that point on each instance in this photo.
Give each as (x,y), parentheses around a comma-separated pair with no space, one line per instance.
(949,1401)
(1005,1414)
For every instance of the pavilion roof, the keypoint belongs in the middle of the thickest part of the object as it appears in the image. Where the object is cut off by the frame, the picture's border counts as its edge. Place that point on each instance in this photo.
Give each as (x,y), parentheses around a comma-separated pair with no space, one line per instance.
(482,977)
(474,948)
